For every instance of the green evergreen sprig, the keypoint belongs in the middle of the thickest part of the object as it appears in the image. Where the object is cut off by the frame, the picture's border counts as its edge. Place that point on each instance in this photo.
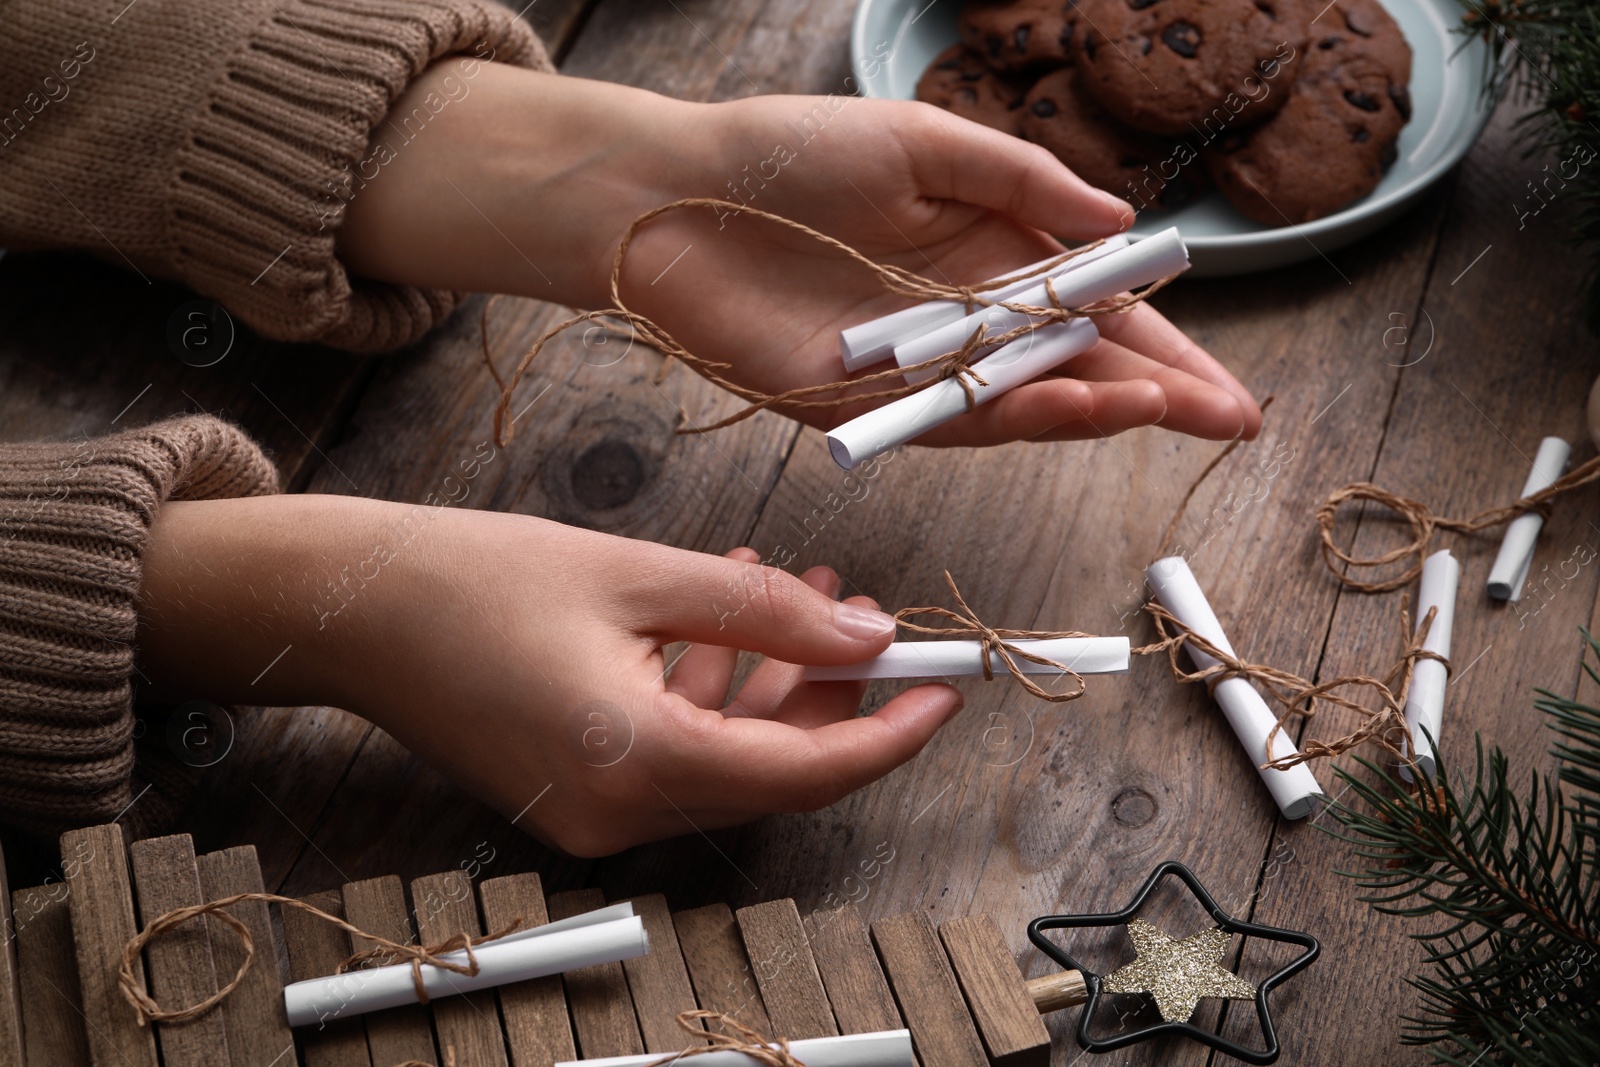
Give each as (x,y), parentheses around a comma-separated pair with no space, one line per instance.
(1547,52)
(1513,886)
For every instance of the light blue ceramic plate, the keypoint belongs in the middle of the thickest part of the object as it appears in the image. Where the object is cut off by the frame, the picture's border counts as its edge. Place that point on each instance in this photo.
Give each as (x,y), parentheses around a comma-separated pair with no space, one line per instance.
(893,41)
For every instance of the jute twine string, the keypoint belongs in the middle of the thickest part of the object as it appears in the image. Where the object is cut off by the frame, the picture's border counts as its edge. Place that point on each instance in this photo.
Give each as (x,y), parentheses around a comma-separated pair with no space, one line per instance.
(384,952)
(997,643)
(1424,522)
(733,1037)
(1384,725)
(897,280)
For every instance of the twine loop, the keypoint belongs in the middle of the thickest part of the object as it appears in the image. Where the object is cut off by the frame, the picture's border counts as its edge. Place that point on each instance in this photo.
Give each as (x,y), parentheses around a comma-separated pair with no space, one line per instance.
(996,642)
(384,950)
(1385,724)
(1423,523)
(733,1037)
(896,280)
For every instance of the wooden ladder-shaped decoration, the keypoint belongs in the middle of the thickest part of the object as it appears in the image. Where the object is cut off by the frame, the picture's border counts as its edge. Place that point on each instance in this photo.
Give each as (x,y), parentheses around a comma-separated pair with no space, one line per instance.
(957,988)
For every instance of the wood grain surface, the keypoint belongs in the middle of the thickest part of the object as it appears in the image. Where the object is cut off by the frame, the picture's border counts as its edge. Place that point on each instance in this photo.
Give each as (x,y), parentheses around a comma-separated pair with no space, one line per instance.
(100,902)
(316,949)
(10,994)
(52,1005)
(1430,358)
(780,954)
(257,1023)
(538,1031)
(398,1035)
(658,981)
(165,878)
(468,1024)
(718,966)
(602,1011)
(925,987)
(857,990)
(1006,1018)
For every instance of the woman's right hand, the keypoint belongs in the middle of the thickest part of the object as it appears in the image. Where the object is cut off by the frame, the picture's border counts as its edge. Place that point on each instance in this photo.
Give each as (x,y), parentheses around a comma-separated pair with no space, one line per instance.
(524,658)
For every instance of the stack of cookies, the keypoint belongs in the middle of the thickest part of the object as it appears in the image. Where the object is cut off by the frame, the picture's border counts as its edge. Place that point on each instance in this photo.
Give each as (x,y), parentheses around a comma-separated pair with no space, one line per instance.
(1292,110)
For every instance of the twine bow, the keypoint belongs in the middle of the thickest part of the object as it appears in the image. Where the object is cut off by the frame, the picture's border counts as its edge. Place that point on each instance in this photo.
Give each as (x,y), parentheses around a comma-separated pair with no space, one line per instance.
(385,950)
(897,280)
(1386,724)
(1424,522)
(771,1052)
(996,642)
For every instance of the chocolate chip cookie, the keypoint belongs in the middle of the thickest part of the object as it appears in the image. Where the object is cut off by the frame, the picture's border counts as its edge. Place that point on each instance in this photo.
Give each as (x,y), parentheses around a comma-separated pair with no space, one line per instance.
(959,81)
(1336,136)
(1147,171)
(1190,67)
(1020,35)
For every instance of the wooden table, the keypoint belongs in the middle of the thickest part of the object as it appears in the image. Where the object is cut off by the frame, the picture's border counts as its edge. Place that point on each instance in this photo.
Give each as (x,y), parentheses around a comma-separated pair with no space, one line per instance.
(1017,808)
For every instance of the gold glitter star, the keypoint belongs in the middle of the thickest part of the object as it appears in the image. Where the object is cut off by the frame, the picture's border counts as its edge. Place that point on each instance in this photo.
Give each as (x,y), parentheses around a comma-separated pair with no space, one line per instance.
(1177,973)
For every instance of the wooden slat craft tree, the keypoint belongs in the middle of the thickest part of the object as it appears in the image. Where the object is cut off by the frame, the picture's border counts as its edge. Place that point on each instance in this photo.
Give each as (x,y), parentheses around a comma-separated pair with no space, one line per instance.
(957,989)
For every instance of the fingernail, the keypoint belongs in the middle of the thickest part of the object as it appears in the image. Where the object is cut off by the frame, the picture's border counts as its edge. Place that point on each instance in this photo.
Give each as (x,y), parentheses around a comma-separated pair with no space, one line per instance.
(1125,213)
(864,624)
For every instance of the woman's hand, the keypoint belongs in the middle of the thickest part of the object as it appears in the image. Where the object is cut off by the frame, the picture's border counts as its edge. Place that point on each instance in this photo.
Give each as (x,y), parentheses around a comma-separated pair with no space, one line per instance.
(524,659)
(529,185)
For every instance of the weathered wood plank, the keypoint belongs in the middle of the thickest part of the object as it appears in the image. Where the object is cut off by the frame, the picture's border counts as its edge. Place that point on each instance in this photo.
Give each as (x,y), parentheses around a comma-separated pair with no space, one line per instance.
(658,981)
(52,1004)
(718,966)
(427,824)
(785,970)
(398,1035)
(860,995)
(316,949)
(468,1025)
(926,990)
(556,22)
(1499,357)
(538,1030)
(180,967)
(1007,1021)
(10,995)
(257,1025)
(101,905)
(603,1020)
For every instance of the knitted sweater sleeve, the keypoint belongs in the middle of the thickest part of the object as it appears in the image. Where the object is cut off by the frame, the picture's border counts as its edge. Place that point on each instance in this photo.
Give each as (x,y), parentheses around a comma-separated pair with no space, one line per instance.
(74,521)
(216,142)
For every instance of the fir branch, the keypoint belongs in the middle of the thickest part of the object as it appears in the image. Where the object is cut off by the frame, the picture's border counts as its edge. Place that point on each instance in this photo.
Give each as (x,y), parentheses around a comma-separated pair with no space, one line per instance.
(1547,52)
(1514,961)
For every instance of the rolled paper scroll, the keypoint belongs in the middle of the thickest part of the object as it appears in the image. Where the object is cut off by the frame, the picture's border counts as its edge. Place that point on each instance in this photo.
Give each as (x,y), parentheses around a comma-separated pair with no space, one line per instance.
(871,342)
(964,659)
(1425,699)
(1510,572)
(1252,721)
(604,936)
(1157,256)
(898,421)
(885,1048)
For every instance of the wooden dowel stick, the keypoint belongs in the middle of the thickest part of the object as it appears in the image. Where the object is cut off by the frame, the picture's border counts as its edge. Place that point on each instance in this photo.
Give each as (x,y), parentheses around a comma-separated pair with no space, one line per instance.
(1052,992)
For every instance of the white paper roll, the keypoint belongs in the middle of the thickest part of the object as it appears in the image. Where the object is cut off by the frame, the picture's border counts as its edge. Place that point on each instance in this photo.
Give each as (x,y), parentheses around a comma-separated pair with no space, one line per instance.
(886,1048)
(1425,699)
(964,659)
(1151,259)
(515,958)
(1175,587)
(871,342)
(1510,571)
(898,421)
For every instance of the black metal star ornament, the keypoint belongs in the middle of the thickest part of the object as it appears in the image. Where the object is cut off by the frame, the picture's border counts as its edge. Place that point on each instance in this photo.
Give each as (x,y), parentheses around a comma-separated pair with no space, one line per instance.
(1171,971)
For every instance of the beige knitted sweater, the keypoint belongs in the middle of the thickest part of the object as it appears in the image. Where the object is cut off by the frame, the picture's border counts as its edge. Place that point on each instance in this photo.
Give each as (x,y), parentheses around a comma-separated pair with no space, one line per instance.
(198,140)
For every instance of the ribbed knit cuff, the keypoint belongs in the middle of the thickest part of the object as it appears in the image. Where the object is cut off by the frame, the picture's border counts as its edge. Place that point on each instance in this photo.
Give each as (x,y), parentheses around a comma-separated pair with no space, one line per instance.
(74,521)
(280,143)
